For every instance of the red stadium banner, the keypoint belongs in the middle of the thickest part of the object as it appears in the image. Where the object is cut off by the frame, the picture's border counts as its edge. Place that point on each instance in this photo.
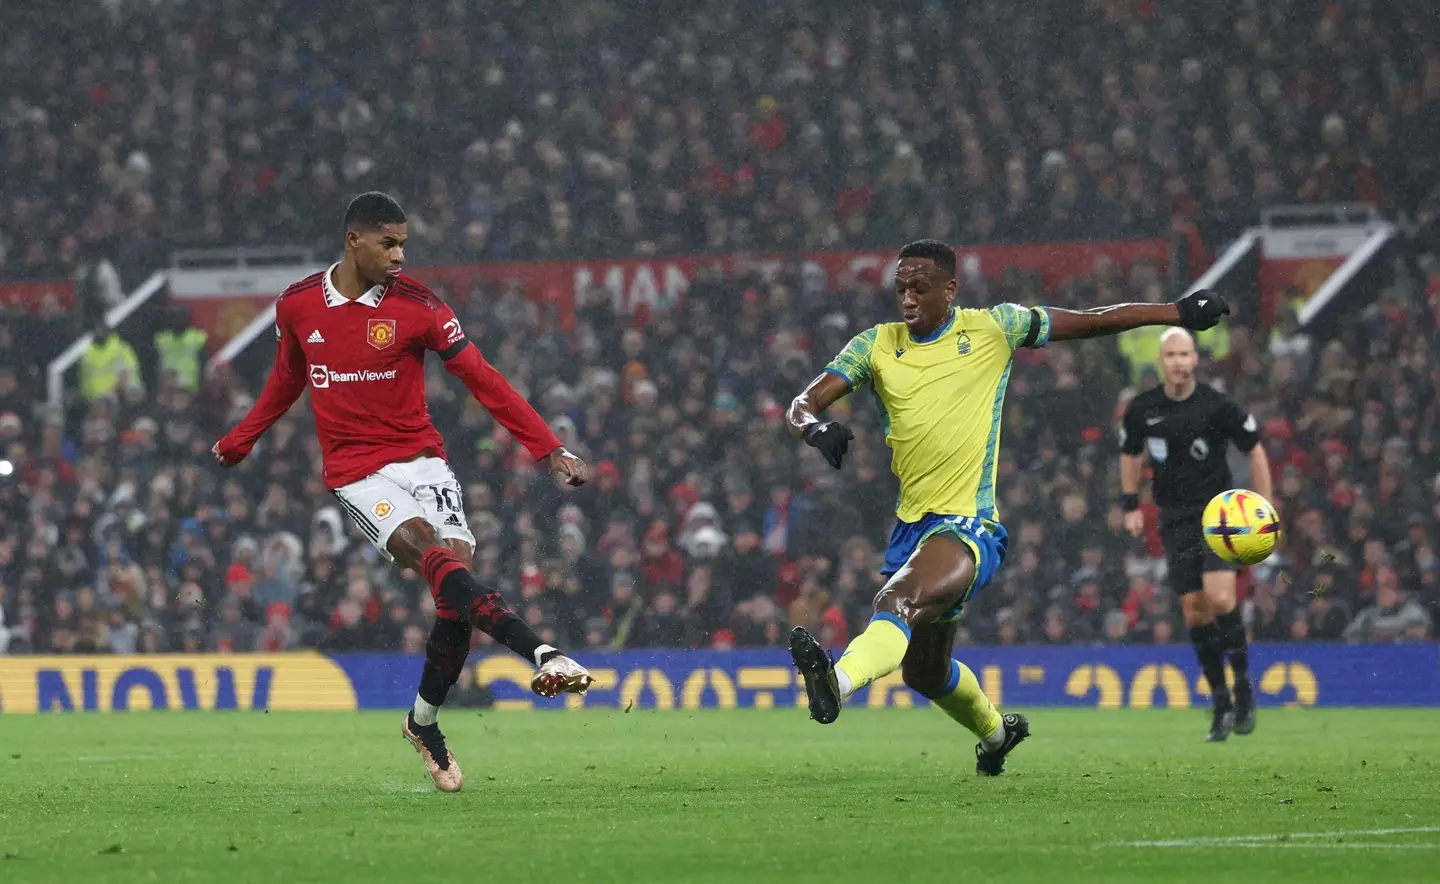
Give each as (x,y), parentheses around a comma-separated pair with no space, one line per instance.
(224,301)
(659,283)
(47,298)
(1303,258)
(224,318)
(1304,274)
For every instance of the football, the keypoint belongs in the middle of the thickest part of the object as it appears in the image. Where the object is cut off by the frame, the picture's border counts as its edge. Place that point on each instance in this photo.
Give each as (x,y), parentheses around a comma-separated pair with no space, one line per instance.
(1241,526)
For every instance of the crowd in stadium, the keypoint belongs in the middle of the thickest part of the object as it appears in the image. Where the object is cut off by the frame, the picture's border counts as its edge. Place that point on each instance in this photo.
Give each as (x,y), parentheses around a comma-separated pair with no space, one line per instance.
(792,124)
(132,129)
(705,523)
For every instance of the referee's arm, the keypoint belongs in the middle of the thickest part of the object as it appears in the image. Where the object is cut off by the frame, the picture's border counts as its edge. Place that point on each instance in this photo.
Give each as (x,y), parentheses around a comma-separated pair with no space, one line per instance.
(1245,432)
(1260,473)
(1132,464)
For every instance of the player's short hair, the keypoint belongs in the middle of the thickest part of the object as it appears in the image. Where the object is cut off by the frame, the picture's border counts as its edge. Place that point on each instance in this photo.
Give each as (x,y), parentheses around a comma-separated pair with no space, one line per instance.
(371,210)
(935,250)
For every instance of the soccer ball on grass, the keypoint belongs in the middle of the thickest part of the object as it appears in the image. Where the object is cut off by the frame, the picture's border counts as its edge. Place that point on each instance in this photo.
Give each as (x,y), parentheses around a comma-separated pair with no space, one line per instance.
(1241,527)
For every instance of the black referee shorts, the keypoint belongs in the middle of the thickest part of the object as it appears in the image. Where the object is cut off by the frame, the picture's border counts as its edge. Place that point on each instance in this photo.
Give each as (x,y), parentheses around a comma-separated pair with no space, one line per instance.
(1187,557)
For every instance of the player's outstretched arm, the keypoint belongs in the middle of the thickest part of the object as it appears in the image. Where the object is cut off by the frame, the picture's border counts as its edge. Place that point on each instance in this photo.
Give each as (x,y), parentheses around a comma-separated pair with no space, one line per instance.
(511,411)
(490,388)
(1196,311)
(282,388)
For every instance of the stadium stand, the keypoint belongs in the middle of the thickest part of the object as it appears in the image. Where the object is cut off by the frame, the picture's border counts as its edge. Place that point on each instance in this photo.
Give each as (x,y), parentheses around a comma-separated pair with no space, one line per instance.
(557,133)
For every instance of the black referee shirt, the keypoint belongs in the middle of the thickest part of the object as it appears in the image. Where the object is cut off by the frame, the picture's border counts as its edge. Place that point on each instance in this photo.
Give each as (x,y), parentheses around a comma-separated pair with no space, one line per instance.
(1186,440)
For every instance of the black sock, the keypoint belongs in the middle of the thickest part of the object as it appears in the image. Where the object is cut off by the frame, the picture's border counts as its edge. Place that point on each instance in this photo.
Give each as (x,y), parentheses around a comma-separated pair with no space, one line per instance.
(456,590)
(514,633)
(1232,637)
(489,613)
(445,655)
(1209,651)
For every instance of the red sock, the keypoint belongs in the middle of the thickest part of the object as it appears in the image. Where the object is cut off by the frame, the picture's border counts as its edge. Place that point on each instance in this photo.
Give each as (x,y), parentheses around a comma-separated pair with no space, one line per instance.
(446,575)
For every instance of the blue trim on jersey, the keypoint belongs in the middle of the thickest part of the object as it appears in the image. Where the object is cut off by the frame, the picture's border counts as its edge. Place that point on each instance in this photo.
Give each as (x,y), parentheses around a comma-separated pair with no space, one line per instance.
(891,618)
(1044,339)
(935,335)
(985,494)
(839,374)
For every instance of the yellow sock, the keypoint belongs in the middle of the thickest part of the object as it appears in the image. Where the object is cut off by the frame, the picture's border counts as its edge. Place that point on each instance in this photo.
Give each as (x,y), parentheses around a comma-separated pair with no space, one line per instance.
(875,653)
(964,701)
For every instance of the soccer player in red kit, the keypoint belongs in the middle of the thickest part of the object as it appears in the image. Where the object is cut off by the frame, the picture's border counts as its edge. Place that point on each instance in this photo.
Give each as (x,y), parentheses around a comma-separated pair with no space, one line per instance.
(357,334)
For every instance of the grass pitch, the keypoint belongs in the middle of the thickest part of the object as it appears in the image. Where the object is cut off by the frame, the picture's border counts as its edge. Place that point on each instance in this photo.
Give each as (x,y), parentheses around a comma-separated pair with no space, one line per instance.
(879,797)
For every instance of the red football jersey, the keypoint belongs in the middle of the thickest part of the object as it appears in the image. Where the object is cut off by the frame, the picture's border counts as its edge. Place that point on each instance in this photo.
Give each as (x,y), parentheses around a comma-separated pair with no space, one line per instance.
(363,361)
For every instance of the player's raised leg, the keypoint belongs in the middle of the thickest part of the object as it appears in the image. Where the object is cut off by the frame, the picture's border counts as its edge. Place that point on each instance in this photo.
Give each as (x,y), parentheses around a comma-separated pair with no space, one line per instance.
(932,583)
(1219,591)
(416,545)
(459,597)
(929,670)
(406,531)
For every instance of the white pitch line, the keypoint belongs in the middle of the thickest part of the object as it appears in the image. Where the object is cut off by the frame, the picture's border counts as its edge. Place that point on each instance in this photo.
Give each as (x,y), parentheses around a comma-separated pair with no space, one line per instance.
(1330,845)
(1267,840)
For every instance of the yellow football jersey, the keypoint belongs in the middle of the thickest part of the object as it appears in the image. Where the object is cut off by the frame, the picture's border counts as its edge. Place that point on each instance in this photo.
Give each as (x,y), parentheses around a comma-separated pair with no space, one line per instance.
(941,398)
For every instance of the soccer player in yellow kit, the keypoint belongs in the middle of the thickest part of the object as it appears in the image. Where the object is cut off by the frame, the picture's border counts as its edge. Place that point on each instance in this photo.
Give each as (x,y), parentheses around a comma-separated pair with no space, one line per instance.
(939,378)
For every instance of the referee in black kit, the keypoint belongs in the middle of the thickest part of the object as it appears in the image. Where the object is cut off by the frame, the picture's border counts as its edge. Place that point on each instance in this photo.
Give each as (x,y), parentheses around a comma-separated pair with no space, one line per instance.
(1185,427)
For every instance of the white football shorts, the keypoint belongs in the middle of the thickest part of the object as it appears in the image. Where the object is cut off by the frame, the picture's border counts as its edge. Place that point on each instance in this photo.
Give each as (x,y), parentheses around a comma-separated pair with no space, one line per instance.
(418,489)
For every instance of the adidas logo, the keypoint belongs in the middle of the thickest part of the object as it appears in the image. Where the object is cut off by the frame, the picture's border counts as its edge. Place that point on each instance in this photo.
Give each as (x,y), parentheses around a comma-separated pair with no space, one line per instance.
(455,521)
(315,337)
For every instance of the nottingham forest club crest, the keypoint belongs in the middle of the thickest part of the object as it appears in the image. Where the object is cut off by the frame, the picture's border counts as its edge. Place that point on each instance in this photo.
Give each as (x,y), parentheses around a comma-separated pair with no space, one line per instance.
(962,344)
(380,333)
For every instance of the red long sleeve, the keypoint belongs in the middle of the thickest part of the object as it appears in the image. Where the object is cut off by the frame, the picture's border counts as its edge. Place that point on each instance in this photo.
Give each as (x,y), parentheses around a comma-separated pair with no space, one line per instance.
(282,388)
(491,390)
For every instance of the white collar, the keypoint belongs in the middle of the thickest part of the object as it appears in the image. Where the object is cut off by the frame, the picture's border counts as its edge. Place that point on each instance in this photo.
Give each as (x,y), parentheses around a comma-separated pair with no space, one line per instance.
(333,298)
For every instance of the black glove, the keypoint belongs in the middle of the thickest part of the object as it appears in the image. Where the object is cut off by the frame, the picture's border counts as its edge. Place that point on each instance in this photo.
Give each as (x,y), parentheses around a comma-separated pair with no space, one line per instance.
(1201,309)
(831,439)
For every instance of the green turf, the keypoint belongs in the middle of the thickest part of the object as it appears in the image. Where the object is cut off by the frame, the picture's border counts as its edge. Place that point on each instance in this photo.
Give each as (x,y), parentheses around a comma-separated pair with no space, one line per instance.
(879,797)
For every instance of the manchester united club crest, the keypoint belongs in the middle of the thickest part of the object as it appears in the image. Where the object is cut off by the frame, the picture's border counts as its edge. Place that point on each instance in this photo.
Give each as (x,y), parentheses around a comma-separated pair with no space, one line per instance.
(380,333)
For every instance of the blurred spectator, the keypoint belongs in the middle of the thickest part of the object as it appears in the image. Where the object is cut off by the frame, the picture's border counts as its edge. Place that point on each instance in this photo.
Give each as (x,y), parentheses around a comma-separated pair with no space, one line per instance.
(278,634)
(109,367)
(179,349)
(1393,617)
(662,625)
(233,632)
(349,632)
